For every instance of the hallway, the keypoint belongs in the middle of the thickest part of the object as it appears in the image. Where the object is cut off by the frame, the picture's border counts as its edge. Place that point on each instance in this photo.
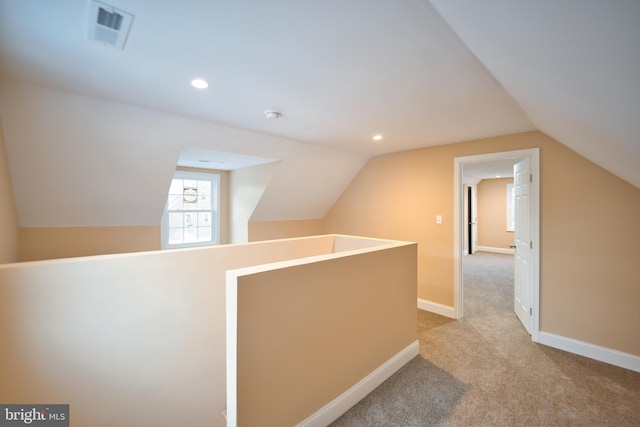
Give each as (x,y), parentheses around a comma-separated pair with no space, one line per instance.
(488,285)
(511,380)
(484,370)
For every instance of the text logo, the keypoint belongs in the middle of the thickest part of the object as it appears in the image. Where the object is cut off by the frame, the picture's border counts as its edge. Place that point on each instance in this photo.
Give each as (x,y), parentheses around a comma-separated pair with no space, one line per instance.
(34,415)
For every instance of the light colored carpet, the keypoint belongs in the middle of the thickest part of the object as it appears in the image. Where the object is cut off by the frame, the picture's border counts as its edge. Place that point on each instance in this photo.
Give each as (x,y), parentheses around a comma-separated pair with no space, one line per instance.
(484,370)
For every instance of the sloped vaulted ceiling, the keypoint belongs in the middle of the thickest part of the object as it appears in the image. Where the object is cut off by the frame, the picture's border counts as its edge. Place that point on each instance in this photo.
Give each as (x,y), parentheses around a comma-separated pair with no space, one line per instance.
(89,121)
(572,65)
(79,161)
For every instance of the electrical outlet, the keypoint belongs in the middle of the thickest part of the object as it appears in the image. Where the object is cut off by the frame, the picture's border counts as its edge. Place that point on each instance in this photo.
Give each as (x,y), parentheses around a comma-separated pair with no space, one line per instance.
(438,219)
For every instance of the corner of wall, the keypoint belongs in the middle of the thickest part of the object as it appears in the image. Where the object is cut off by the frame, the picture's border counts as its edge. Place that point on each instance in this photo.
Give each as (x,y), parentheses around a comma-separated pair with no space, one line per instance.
(246,187)
(9,226)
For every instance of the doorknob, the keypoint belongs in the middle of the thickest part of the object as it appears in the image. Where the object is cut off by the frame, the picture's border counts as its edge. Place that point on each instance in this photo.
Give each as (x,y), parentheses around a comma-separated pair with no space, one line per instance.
(512,246)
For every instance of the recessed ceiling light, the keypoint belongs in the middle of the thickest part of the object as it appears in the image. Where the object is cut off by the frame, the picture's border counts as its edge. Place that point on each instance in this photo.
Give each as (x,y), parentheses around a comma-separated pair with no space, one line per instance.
(377,137)
(199,83)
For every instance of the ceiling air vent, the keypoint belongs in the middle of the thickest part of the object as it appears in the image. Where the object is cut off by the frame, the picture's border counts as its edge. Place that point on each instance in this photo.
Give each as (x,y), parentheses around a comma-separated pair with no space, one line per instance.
(109,25)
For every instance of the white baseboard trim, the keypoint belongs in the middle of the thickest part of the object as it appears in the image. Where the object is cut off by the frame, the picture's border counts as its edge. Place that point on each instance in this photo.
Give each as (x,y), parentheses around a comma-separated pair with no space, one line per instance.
(334,409)
(592,351)
(434,307)
(495,250)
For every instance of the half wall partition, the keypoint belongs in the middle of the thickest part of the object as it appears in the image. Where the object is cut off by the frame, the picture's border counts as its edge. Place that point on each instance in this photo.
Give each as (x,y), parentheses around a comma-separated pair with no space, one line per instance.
(286,332)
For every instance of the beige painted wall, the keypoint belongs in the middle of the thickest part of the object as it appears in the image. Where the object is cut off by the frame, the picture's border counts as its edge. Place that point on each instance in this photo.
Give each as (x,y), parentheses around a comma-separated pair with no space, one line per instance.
(333,343)
(127,340)
(140,339)
(8,215)
(40,243)
(589,282)
(492,213)
(269,230)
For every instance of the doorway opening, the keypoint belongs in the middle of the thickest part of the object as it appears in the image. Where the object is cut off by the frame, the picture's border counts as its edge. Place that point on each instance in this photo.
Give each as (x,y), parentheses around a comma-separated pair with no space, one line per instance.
(462,230)
(488,282)
(471,218)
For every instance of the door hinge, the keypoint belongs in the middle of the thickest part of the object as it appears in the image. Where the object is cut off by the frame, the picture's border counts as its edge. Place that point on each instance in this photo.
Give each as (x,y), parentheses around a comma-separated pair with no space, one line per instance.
(530,177)
(530,311)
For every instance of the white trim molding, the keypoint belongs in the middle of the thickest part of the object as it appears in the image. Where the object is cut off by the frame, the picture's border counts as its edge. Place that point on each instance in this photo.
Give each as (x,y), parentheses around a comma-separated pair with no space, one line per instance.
(592,351)
(341,404)
(458,229)
(434,307)
(495,250)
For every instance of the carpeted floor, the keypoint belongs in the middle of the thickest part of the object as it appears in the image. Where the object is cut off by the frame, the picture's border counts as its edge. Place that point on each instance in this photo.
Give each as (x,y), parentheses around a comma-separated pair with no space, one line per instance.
(484,370)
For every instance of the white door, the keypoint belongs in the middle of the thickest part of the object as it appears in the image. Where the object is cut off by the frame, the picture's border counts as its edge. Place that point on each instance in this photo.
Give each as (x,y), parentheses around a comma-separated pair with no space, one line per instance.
(523,287)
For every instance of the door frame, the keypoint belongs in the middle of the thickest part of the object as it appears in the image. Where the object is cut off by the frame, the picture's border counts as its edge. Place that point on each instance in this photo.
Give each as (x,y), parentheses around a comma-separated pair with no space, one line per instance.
(458,231)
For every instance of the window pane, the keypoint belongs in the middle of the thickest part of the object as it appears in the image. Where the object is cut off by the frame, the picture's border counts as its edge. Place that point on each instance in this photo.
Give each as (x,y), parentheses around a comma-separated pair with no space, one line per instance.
(190,219)
(204,187)
(204,234)
(510,208)
(175,202)
(176,220)
(204,202)
(190,235)
(204,219)
(175,236)
(190,183)
(190,206)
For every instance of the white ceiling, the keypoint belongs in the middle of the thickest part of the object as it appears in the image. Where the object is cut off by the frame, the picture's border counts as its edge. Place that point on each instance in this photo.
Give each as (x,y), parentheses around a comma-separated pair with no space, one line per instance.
(573,66)
(473,173)
(340,71)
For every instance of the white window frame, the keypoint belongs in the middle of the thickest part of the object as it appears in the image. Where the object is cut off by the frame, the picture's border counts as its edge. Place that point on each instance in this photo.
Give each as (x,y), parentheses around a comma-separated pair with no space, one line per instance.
(511,209)
(214,178)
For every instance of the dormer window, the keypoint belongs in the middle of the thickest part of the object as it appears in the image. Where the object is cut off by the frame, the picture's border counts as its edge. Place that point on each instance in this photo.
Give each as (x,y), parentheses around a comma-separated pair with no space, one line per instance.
(192,211)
